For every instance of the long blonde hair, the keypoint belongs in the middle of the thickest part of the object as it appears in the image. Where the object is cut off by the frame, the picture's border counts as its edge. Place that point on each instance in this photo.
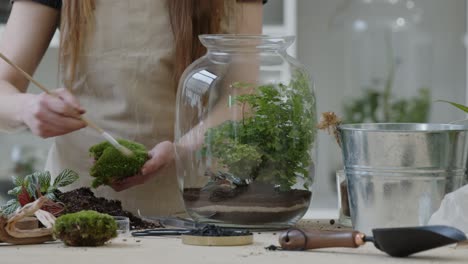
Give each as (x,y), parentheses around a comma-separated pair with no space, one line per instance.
(189,18)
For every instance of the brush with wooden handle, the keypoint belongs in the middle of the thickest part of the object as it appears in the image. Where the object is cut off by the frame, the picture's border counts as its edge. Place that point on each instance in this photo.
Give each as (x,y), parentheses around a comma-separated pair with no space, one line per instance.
(91,124)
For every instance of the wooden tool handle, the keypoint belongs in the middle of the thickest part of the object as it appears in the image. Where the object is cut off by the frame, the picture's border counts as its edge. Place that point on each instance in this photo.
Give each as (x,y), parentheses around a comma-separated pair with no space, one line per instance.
(301,239)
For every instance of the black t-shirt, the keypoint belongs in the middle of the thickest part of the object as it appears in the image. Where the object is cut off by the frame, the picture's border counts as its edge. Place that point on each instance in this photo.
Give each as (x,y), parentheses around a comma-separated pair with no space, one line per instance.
(57,4)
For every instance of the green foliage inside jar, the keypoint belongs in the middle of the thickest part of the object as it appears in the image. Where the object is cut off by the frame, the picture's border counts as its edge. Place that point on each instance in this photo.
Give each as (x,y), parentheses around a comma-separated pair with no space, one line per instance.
(272,141)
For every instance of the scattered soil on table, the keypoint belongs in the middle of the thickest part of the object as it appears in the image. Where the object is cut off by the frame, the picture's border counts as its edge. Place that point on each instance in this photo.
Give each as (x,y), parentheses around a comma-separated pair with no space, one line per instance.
(272,248)
(240,205)
(84,199)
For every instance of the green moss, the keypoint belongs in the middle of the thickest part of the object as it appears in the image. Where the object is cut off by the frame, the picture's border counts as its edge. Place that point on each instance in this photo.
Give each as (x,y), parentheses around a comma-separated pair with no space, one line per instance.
(111,164)
(85,228)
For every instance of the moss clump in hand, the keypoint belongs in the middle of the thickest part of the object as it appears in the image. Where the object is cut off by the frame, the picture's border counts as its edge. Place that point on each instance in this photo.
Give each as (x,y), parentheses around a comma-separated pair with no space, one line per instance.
(85,228)
(110,164)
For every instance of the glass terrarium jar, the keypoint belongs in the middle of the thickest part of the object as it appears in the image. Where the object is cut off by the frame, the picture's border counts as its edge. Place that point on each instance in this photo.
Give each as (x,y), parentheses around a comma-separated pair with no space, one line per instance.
(245,133)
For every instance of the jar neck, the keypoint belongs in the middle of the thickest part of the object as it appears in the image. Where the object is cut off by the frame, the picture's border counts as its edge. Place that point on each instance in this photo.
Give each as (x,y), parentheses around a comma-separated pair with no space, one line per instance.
(232,52)
(245,44)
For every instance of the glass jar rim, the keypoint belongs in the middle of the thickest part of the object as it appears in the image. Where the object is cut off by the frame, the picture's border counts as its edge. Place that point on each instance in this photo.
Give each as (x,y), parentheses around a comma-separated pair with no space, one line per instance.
(242,41)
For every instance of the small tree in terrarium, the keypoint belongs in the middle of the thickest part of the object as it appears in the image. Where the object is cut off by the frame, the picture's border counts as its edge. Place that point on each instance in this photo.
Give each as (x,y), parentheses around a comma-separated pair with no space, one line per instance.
(271,143)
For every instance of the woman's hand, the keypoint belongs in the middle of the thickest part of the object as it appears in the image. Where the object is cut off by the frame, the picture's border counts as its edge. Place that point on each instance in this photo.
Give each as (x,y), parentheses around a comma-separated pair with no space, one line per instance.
(50,116)
(160,156)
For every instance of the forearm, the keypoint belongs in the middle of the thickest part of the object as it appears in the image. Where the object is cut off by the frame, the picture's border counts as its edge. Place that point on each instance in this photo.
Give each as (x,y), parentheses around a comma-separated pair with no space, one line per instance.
(248,21)
(244,68)
(26,37)
(12,103)
(249,17)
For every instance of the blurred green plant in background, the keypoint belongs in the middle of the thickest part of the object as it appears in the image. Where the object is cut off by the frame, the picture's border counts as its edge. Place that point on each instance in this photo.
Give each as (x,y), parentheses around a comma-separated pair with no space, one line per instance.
(378,106)
(371,108)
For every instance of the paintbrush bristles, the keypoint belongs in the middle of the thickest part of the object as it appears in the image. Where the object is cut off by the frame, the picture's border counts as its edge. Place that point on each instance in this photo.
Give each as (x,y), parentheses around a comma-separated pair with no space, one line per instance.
(125,151)
(117,145)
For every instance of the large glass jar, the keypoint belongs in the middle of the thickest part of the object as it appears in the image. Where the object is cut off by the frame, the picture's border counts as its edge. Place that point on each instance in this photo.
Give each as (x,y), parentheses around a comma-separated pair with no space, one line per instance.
(245,133)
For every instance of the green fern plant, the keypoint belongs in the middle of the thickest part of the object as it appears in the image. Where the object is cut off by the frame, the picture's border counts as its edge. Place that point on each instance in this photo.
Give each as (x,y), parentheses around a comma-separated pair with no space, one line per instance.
(272,142)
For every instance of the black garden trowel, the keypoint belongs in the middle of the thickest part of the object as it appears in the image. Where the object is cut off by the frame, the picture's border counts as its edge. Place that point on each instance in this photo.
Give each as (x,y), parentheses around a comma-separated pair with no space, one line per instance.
(396,242)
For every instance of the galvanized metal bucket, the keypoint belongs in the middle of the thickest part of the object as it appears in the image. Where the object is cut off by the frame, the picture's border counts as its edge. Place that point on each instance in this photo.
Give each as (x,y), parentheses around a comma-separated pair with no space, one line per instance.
(397,174)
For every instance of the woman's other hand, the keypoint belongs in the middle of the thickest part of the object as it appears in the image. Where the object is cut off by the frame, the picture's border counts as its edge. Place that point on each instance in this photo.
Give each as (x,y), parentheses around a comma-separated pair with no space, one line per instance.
(49,116)
(160,156)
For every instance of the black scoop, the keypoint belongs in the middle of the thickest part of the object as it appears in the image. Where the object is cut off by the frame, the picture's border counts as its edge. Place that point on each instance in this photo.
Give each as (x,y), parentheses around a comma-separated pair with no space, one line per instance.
(404,241)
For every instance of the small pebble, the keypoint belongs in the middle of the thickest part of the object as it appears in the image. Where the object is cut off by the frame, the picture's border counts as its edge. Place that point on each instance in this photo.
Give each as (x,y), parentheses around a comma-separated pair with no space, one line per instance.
(138,241)
(332,222)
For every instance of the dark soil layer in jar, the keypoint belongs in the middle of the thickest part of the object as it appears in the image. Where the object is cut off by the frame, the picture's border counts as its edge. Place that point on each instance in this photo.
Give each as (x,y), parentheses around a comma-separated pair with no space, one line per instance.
(254,204)
(84,199)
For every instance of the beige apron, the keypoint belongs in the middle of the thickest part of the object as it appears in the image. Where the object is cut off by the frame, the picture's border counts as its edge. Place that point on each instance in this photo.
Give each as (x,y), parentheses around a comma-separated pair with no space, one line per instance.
(124,82)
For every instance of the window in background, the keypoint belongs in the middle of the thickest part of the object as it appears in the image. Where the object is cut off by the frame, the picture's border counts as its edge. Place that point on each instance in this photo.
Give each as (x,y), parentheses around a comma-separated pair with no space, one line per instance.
(280,19)
(4,11)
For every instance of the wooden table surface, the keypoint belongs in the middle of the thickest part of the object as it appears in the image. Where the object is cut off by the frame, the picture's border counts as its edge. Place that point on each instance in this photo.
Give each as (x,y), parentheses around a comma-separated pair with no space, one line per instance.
(171,250)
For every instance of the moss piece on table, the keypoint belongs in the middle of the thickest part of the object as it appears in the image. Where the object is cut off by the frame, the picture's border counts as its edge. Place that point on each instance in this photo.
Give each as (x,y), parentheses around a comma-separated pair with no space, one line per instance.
(85,228)
(110,164)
